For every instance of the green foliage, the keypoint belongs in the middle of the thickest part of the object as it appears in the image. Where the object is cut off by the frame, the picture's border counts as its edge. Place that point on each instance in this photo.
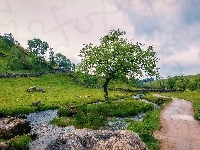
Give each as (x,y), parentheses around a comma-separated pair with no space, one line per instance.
(157,100)
(20,143)
(14,58)
(62,61)
(38,47)
(95,115)
(91,120)
(117,58)
(171,83)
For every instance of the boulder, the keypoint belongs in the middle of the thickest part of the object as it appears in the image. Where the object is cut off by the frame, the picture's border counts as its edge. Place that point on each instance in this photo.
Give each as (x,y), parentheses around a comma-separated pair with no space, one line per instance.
(13,126)
(4,146)
(86,139)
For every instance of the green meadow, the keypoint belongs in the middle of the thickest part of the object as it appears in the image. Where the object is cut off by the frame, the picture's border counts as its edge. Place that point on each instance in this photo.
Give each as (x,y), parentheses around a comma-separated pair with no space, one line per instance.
(61,92)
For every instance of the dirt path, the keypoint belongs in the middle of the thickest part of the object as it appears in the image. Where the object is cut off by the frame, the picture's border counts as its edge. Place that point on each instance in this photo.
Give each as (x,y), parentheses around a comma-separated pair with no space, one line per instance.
(179,129)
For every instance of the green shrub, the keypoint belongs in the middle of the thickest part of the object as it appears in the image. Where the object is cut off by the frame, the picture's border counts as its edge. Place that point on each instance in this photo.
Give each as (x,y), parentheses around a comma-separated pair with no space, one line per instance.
(89,120)
(63,111)
(20,143)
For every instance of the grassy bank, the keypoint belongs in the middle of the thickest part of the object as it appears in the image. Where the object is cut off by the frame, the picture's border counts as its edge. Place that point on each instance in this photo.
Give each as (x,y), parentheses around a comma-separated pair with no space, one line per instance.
(192,96)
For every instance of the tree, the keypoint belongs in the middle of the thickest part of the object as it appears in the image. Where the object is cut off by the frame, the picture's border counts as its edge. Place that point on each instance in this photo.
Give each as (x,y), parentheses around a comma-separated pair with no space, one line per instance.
(182,82)
(51,57)
(8,39)
(38,47)
(171,82)
(63,61)
(117,58)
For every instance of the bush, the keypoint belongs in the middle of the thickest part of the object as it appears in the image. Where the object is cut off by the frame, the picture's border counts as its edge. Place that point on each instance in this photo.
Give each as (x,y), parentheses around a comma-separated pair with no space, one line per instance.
(63,111)
(20,143)
(89,120)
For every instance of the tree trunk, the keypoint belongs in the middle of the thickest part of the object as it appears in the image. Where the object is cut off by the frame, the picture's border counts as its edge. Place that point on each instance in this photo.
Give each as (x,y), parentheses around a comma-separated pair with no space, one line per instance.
(105,88)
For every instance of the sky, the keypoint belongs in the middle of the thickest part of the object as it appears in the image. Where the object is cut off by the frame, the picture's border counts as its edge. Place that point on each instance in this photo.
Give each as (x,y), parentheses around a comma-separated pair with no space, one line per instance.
(171,26)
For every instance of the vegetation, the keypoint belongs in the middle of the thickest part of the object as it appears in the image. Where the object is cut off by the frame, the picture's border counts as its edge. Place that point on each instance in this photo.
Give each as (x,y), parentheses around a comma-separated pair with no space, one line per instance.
(115,63)
(15,58)
(61,91)
(177,83)
(117,58)
(94,115)
(20,143)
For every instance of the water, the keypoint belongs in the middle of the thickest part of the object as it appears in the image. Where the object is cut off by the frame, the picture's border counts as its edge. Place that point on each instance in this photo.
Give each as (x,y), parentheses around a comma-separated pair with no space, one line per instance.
(156,106)
(45,132)
(121,123)
(41,117)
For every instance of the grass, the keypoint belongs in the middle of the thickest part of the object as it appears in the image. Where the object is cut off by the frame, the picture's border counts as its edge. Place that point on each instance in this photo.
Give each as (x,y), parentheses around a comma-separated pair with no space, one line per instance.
(95,115)
(192,96)
(20,143)
(60,91)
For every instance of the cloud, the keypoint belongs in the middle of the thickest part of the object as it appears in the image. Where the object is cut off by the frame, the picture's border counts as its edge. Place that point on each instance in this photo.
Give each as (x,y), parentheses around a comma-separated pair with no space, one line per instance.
(172,26)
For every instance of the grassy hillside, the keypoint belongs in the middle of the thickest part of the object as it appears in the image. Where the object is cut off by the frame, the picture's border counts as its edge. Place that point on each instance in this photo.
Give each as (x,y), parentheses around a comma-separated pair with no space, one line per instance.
(15,58)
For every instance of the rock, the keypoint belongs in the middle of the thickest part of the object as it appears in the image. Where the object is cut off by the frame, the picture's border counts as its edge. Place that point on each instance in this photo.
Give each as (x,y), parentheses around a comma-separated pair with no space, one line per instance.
(12,126)
(72,111)
(4,146)
(98,139)
(31,89)
(41,90)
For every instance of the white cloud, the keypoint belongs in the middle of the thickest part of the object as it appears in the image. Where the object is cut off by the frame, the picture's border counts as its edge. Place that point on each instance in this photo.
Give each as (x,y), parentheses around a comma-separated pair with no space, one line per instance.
(67,24)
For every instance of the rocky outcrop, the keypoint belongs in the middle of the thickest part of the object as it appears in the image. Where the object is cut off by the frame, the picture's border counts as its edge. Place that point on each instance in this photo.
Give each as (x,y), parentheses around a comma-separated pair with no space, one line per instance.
(50,137)
(100,139)
(12,126)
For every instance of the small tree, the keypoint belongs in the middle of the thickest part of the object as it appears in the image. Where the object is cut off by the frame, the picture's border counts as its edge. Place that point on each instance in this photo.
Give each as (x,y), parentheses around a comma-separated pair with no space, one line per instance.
(171,83)
(38,47)
(117,58)
(63,61)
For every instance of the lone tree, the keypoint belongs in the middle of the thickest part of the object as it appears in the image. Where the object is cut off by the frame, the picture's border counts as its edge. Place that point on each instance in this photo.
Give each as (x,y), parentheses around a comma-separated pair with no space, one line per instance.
(117,58)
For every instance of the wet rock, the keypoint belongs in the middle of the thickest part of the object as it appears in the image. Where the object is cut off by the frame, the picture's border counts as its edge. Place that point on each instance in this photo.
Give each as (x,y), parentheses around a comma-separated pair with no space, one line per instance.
(98,139)
(12,126)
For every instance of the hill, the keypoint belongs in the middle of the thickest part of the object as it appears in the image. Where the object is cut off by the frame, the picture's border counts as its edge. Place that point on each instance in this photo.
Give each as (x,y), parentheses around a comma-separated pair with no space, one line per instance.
(39,57)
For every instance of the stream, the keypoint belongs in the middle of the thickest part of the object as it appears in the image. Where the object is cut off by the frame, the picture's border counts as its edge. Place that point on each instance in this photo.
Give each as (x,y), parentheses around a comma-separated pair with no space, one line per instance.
(47,133)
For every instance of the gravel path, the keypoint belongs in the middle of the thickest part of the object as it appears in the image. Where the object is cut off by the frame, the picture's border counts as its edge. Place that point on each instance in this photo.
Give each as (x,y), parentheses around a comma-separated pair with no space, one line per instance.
(179,129)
